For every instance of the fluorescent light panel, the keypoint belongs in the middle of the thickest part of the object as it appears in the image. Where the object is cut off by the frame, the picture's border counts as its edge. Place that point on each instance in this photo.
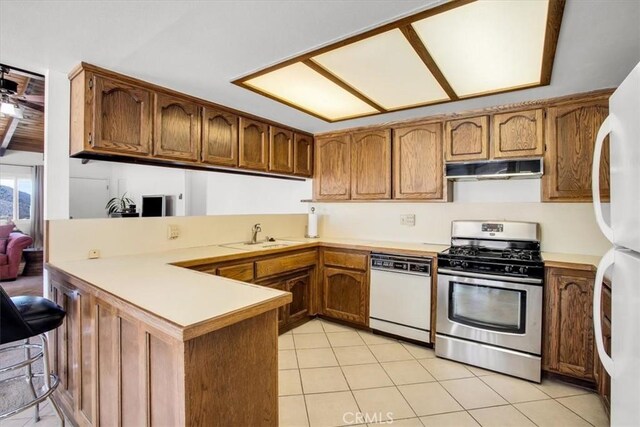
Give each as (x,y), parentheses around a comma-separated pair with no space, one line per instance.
(300,85)
(487,46)
(386,69)
(479,48)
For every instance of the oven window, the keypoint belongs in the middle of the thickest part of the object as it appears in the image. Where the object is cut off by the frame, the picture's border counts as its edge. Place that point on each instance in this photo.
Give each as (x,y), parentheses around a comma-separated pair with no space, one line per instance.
(488,307)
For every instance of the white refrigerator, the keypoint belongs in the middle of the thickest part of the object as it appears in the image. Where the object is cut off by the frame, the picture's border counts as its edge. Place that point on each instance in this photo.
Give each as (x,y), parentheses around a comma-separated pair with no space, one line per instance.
(623,259)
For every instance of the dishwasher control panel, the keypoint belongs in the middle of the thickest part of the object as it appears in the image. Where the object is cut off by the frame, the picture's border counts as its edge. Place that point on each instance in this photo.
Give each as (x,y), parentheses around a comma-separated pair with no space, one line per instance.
(401,263)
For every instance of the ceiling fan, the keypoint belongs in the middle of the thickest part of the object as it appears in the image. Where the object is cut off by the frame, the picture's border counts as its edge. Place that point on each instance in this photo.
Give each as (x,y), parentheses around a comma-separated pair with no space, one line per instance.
(11,101)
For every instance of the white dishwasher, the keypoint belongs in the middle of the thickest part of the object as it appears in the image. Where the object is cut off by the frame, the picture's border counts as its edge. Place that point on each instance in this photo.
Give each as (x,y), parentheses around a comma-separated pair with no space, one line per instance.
(401,296)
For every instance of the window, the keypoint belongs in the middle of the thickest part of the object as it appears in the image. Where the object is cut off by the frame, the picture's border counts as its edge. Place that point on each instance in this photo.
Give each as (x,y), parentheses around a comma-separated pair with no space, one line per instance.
(15,197)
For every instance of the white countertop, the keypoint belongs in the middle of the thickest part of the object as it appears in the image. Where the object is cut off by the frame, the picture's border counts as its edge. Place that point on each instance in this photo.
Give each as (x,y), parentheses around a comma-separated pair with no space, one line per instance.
(187,297)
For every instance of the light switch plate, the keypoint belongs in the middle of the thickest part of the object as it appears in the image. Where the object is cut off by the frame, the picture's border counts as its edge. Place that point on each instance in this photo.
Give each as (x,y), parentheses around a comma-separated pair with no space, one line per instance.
(173,232)
(408,220)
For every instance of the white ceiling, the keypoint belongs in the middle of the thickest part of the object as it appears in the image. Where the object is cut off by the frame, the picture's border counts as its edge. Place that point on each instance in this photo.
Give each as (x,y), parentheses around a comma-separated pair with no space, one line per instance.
(198,47)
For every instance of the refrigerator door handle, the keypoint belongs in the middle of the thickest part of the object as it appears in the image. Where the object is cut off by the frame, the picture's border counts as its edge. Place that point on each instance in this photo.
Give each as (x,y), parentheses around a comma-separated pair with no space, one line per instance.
(606,261)
(605,129)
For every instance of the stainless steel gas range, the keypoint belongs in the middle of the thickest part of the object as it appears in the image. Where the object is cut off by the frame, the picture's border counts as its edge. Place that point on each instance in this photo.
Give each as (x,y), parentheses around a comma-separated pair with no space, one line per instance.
(490,297)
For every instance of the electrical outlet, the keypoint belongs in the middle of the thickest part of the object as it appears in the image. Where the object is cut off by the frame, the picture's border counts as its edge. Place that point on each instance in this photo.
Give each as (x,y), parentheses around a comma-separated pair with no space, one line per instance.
(173,232)
(94,253)
(408,220)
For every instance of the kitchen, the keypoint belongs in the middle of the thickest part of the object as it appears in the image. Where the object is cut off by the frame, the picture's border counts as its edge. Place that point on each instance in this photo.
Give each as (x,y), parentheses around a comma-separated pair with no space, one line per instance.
(491,191)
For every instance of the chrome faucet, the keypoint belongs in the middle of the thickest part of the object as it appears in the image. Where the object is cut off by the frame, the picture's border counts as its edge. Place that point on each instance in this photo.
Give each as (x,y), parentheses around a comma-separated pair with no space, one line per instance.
(254,233)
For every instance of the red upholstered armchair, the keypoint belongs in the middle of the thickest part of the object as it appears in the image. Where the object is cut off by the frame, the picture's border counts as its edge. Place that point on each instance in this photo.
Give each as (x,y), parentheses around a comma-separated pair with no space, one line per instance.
(10,261)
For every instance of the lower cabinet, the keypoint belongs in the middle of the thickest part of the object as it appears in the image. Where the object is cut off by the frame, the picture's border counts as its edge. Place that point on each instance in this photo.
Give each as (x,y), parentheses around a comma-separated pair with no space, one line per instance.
(604,380)
(345,286)
(568,339)
(293,272)
(299,284)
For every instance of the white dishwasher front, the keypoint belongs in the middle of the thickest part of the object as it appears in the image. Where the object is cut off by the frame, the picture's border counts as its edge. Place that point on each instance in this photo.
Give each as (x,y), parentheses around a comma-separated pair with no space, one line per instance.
(400,301)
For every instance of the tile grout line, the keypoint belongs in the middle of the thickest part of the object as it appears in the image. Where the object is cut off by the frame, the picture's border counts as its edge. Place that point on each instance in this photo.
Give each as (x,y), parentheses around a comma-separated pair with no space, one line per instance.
(396,386)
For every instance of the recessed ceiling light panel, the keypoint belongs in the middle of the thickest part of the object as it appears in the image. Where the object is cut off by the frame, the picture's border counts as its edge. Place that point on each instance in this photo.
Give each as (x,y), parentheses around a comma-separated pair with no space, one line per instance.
(385,69)
(305,88)
(487,46)
(457,49)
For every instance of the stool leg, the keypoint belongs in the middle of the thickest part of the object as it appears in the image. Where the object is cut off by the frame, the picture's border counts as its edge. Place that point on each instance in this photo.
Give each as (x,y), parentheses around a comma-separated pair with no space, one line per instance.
(47,378)
(29,375)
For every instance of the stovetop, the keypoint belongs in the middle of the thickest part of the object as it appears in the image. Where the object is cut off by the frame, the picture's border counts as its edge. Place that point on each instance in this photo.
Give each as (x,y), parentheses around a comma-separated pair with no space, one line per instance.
(514,260)
(511,254)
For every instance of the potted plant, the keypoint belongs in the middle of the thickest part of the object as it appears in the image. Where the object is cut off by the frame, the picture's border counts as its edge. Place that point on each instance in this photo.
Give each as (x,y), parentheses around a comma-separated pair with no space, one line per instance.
(118,205)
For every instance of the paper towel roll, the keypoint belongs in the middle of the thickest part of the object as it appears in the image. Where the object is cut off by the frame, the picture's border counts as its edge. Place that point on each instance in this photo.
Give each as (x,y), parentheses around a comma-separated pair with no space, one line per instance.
(312,225)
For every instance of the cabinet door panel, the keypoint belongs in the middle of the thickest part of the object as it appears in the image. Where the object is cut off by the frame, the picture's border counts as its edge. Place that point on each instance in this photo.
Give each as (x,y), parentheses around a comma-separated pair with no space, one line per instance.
(253,144)
(122,117)
(418,171)
(569,347)
(467,139)
(333,168)
(303,155)
(571,134)
(283,312)
(177,128)
(519,134)
(280,150)
(345,295)
(300,288)
(219,137)
(371,165)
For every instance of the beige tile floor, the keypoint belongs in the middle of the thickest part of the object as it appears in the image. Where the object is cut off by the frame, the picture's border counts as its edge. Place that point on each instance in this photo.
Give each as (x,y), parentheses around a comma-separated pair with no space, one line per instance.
(330,374)
(333,375)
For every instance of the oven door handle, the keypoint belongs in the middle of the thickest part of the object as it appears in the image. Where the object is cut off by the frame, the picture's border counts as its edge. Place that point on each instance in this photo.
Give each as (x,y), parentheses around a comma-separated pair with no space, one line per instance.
(490,276)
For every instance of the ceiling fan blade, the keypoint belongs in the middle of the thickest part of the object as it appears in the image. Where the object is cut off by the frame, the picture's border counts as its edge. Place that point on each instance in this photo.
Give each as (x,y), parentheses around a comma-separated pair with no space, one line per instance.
(31,105)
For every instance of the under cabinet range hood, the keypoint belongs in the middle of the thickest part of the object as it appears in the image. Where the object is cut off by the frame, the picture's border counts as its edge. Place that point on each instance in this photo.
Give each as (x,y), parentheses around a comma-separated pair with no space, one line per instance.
(496,169)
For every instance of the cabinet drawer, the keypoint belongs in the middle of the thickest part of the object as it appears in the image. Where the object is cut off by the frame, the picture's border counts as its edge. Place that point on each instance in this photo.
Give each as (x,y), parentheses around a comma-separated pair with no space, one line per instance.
(284,264)
(242,272)
(352,260)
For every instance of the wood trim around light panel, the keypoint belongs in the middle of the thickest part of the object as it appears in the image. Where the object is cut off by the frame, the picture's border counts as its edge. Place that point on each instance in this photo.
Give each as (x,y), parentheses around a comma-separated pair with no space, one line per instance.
(421,50)
(554,19)
(344,85)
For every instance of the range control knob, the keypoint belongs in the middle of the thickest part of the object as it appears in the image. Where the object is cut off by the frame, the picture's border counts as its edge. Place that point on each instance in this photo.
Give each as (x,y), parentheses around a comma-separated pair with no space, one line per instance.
(523,270)
(465,264)
(455,263)
(508,268)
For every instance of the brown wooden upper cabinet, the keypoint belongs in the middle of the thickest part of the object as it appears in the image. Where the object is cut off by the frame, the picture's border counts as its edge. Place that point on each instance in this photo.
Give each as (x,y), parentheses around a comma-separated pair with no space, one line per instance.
(467,139)
(518,134)
(176,128)
(122,116)
(254,144)
(333,168)
(302,155)
(418,170)
(371,165)
(571,135)
(280,150)
(219,137)
(568,344)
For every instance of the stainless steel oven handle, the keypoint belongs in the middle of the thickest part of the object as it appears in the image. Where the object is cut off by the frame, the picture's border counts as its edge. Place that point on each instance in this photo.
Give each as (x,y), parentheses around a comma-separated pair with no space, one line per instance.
(490,276)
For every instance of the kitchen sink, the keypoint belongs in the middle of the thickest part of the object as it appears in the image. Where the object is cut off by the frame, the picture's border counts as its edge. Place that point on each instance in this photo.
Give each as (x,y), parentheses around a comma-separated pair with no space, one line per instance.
(245,246)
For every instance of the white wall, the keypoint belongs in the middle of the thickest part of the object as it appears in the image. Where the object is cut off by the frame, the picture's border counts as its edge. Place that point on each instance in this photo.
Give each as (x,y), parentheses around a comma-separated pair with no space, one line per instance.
(56,145)
(243,194)
(565,227)
(139,180)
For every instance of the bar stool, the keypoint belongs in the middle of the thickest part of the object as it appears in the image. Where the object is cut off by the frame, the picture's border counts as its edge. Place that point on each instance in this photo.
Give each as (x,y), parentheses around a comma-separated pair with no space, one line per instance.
(22,318)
